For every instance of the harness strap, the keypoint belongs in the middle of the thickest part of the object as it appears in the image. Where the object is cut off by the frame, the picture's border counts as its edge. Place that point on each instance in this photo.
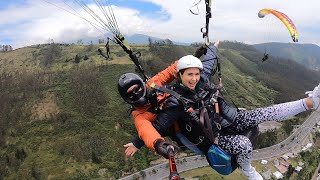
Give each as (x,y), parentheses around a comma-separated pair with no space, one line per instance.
(133,56)
(188,144)
(206,125)
(183,100)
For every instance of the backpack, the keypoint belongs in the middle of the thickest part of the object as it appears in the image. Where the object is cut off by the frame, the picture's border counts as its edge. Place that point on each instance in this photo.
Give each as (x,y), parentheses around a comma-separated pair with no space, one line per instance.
(221,161)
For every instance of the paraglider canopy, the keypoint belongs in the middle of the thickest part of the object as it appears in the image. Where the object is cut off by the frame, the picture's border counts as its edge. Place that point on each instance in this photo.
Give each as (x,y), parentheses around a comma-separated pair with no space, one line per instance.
(284,19)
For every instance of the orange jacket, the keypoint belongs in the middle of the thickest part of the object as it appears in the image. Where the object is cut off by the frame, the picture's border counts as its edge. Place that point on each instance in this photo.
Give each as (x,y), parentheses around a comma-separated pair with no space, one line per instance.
(142,118)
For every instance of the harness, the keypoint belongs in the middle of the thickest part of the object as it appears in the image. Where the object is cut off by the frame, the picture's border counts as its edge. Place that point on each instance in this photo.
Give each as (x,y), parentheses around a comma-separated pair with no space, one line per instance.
(203,119)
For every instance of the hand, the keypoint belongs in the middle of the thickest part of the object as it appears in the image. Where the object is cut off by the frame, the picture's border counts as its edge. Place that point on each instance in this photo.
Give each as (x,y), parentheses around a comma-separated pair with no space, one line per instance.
(161,147)
(214,48)
(216,44)
(315,96)
(202,50)
(130,149)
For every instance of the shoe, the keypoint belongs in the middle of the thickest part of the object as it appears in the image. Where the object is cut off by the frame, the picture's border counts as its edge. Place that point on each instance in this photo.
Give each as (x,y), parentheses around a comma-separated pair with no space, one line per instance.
(251,173)
(315,96)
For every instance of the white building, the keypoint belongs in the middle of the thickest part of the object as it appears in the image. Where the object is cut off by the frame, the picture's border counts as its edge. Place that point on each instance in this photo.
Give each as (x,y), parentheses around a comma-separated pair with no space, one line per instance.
(309,145)
(276,162)
(278,175)
(285,157)
(298,168)
(264,161)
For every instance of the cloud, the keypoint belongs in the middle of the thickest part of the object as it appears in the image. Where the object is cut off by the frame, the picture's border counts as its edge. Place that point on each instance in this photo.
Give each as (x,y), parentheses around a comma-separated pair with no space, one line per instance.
(36,21)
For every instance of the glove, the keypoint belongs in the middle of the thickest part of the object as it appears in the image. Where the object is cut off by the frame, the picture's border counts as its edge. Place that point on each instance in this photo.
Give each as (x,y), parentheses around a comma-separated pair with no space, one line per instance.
(161,147)
(315,96)
(202,50)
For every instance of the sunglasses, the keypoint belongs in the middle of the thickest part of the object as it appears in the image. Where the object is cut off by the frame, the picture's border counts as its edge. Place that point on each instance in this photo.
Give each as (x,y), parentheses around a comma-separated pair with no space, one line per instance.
(135,92)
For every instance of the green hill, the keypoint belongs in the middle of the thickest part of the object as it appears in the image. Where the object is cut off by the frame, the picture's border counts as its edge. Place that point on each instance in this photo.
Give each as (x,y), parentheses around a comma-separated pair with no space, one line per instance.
(61,116)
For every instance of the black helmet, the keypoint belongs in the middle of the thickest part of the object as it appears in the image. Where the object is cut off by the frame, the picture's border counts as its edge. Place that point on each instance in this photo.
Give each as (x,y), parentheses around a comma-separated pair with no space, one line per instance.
(132,89)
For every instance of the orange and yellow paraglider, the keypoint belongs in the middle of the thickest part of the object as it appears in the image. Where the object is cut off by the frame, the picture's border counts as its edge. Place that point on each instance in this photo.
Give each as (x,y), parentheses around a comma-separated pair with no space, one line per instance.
(284,18)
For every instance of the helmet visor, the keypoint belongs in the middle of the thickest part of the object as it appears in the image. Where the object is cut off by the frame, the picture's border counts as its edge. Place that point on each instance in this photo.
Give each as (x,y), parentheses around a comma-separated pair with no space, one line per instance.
(135,92)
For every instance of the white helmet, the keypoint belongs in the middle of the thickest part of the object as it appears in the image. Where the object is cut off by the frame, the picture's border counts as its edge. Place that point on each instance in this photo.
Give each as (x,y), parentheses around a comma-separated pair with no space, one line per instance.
(189,61)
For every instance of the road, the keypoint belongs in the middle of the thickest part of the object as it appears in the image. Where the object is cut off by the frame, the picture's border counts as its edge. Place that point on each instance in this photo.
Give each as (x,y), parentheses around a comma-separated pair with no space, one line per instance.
(293,141)
(161,171)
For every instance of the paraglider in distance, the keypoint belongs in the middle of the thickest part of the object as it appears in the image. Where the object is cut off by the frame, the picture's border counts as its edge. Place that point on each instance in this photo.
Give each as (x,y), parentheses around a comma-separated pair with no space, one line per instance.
(283,18)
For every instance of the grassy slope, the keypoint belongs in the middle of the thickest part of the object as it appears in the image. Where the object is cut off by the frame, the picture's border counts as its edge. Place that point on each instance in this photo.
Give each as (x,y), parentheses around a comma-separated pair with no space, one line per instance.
(44,139)
(245,90)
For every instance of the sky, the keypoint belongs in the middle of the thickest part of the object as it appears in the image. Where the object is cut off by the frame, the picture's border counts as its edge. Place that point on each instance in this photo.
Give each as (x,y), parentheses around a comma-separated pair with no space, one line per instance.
(29,22)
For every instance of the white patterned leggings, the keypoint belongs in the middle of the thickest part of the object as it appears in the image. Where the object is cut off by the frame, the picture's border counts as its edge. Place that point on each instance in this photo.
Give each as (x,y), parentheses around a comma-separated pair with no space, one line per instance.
(240,145)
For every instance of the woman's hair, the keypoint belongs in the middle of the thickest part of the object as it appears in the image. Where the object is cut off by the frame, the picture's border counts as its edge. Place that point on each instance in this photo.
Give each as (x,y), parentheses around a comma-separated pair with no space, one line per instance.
(179,74)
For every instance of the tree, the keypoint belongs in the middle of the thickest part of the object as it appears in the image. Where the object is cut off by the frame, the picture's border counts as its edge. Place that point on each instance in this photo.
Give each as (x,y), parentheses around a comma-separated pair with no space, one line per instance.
(142,174)
(5,48)
(80,41)
(287,126)
(151,45)
(35,173)
(266,139)
(168,42)
(77,59)
(20,154)
(289,172)
(90,47)
(95,159)
(101,41)
(50,53)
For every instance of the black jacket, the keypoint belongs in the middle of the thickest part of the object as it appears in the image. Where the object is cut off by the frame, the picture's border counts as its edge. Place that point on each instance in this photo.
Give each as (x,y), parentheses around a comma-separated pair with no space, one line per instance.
(177,111)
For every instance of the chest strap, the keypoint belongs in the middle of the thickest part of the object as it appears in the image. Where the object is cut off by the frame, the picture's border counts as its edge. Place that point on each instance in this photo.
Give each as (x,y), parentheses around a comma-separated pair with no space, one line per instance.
(206,125)
(180,98)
